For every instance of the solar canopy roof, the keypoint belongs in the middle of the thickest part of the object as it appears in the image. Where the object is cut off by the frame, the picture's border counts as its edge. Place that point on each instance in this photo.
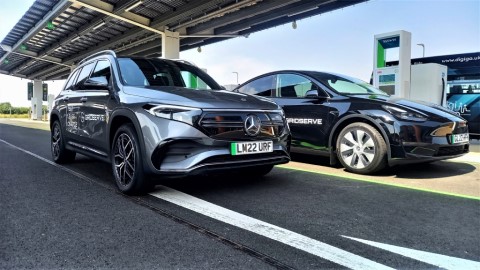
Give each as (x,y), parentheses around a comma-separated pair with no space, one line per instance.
(54,35)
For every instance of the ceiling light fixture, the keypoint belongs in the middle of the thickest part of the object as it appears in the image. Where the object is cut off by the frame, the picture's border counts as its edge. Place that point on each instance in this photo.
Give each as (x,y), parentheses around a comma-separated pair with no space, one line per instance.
(134,5)
(294,24)
(99,25)
(300,12)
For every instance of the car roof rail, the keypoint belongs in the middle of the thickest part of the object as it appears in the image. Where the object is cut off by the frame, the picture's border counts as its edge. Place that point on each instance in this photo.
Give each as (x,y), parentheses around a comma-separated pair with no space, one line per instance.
(106,52)
(182,61)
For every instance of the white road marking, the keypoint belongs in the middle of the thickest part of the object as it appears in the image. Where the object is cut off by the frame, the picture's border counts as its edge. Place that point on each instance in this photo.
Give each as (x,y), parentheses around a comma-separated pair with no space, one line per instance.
(439,260)
(79,175)
(284,236)
(290,238)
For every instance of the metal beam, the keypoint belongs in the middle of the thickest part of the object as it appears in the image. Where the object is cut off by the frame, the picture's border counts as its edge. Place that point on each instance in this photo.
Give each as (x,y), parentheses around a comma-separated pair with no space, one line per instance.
(137,49)
(270,16)
(220,12)
(58,75)
(258,20)
(54,61)
(330,6)
(160,22)
(259,8)
(61,6)
(107,9)
(154,50)
(121,6)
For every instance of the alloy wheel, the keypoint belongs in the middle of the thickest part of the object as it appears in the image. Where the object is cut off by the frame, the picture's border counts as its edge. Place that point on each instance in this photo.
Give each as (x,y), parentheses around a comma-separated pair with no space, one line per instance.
(357,149)
(56,138)
(124,159)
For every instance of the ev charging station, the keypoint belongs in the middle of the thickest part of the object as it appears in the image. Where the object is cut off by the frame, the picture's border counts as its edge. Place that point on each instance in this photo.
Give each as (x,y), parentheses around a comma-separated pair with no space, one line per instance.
(424,82)
(392,80)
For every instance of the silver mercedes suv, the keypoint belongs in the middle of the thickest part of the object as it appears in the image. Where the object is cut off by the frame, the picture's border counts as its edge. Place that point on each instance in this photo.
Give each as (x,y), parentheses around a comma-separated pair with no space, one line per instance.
(154,116)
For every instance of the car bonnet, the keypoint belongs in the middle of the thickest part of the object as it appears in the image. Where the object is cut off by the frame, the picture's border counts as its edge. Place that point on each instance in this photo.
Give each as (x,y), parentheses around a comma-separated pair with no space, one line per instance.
(206,99)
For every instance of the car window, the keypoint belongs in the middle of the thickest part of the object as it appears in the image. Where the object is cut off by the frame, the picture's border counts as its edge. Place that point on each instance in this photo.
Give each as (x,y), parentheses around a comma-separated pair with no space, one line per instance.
(102,69)
(346,85)
(292,85)
(82,77)
(156,72)
(71,80)
(193,81)
(260,87)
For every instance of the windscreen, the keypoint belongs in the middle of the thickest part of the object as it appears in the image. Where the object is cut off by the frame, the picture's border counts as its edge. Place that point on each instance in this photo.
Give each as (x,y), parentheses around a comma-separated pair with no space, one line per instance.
(346,85)
(157,72)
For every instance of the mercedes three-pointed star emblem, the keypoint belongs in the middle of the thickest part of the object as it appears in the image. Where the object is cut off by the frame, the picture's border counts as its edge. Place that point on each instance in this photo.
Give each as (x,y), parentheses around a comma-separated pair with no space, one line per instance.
(252,125)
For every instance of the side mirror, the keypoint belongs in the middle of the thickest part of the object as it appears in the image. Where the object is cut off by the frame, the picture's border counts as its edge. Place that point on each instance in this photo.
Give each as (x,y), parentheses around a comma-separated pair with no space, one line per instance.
(97,83)
(311,94)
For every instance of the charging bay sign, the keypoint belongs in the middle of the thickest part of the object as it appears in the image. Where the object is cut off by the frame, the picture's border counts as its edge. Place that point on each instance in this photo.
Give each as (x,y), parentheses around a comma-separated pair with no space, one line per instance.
(391,42)
(44,92)
(30,90)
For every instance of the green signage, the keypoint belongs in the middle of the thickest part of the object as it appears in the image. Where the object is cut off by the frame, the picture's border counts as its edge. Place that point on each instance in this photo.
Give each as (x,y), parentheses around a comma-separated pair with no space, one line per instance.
(50,25)
(45,92)
(383,44)
(30,90)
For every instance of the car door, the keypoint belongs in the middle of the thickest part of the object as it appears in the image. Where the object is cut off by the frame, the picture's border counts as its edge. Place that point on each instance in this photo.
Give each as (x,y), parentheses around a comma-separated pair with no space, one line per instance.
(74,104)
(94,96)
(307,109)
(63,105)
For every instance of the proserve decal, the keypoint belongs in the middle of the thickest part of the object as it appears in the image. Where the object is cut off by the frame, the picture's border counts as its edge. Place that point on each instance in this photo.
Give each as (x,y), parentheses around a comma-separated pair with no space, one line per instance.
(95,117)
(304,121)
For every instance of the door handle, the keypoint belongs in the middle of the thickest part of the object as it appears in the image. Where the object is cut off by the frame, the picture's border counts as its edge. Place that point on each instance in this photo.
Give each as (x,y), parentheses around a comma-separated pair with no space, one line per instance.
(83,99)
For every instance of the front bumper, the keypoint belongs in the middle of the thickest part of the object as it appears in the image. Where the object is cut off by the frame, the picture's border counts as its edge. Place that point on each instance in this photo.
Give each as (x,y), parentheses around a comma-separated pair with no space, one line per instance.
(177,149)
(428,152)
(415,144)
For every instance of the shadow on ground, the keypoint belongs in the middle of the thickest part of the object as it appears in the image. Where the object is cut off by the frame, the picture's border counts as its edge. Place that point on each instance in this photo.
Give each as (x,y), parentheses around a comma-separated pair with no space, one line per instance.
(438,169)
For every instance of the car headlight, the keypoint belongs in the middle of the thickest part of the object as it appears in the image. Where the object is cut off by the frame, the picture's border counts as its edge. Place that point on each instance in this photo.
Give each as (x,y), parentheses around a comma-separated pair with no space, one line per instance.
(187,115)
(444,130)
(405,115)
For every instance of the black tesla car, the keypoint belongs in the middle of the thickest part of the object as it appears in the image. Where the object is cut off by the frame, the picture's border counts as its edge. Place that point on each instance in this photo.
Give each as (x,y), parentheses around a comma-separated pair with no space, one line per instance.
(361,126)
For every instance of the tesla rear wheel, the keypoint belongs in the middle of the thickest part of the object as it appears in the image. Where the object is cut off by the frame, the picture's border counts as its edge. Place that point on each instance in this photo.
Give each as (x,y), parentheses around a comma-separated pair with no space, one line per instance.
(59,153)
(127,163)
(361,149)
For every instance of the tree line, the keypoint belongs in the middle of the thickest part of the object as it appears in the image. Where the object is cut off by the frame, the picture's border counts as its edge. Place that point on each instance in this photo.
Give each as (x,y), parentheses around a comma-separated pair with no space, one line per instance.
(7,108)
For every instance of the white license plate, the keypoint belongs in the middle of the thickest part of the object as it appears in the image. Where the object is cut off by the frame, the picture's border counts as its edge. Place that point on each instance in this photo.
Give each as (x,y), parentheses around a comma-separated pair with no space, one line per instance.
(459,138)
(246,148)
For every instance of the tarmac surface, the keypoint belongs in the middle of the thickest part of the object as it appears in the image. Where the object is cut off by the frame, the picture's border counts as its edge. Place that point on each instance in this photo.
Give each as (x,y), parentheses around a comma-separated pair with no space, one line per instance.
(300,216)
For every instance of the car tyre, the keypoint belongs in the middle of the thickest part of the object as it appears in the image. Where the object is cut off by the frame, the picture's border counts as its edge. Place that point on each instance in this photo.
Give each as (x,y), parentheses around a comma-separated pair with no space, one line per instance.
(60,154)
(361,149)
(127,164)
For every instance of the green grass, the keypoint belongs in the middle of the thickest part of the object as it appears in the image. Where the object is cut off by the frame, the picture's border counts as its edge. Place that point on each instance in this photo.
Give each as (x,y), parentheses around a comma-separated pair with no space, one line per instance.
(4,115)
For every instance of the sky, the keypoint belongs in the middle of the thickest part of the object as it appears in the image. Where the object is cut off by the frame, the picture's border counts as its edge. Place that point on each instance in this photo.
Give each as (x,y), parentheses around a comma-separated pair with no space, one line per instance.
(340,41)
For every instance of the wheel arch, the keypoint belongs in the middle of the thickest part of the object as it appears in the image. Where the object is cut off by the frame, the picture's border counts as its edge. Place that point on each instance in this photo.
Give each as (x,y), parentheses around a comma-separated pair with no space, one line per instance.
(337,128)
(117,119)
(54,116)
